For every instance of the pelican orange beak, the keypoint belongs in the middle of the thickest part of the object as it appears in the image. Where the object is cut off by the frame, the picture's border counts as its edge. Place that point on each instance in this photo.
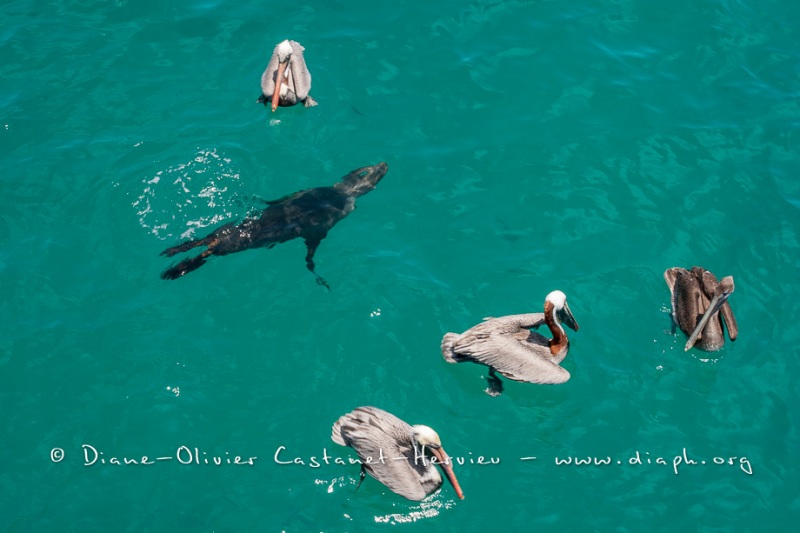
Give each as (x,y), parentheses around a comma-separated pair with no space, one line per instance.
(276,95)
(447,466)
(566,316)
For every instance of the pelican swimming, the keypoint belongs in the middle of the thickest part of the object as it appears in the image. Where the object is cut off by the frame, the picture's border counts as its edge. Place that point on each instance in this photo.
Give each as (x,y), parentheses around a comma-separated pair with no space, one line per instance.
(506,345)
(394,452)
(286,80)
(700,305)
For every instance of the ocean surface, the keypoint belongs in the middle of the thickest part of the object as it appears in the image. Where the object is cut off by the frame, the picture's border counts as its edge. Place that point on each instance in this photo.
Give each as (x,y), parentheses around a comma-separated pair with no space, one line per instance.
(584,146)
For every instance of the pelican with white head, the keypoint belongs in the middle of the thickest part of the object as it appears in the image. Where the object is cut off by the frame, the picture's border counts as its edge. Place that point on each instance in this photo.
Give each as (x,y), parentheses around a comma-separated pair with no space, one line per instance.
(286,80)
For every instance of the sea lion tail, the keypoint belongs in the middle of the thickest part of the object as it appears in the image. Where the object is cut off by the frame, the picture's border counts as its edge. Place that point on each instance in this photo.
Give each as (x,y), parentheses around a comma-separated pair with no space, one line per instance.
(186,246)
(185,266)
(448,348)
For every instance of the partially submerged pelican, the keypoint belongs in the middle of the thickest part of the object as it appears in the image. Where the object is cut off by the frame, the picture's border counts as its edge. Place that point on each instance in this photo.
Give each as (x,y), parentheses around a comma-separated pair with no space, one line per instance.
(286,80)
(394,452)
(508,346)
(308,214)
(700,306)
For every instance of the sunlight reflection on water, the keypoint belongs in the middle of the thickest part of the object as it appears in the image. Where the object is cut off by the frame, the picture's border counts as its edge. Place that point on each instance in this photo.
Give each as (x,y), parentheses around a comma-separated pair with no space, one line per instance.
(202,187)
(428,508)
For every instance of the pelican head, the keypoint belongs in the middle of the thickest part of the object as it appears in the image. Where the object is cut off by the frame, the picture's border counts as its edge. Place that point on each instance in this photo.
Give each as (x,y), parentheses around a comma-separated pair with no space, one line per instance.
(559,302)
(726,287)
(558,299)
(425,436)
(284,51)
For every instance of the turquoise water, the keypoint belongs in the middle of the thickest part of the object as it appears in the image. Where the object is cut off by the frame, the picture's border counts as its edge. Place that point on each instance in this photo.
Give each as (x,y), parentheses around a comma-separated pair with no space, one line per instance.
(583,146)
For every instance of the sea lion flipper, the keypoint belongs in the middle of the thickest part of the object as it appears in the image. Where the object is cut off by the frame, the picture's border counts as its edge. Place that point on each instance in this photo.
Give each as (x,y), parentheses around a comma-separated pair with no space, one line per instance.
(311,244)
(188,245)
(186,266)
(321,281)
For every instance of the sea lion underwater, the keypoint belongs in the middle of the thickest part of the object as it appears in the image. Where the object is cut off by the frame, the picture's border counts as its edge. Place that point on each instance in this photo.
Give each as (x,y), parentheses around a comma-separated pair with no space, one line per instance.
(308,214)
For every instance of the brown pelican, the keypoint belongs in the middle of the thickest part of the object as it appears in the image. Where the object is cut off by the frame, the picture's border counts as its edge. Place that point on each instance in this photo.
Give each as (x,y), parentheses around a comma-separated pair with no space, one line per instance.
(507,345)
(286,80)
(393,452)
(700,305)
(309,214)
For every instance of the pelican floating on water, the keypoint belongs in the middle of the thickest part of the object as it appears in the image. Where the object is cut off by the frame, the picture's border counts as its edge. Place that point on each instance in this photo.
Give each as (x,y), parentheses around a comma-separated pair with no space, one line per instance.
(506,345)
(286,80)
(394,452)
(700,305)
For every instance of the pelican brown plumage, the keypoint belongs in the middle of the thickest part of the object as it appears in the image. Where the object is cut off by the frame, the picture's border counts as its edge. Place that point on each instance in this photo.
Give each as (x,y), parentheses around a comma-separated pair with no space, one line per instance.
(508,346)
(394,452)
(286,80)
(700,306)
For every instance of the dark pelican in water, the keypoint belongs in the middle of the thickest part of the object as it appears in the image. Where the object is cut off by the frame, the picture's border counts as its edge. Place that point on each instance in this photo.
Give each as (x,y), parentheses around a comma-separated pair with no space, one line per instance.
(308,214)
(508,346)
(286,80)
(394,452)
(700,306)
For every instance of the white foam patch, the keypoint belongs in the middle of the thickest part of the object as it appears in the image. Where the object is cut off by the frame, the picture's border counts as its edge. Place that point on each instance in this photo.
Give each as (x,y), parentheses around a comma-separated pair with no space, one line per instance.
(427,508)
(182,199)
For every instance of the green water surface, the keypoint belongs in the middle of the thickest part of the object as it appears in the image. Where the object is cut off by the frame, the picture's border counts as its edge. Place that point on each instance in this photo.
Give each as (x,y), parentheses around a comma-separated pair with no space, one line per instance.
(532,145)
